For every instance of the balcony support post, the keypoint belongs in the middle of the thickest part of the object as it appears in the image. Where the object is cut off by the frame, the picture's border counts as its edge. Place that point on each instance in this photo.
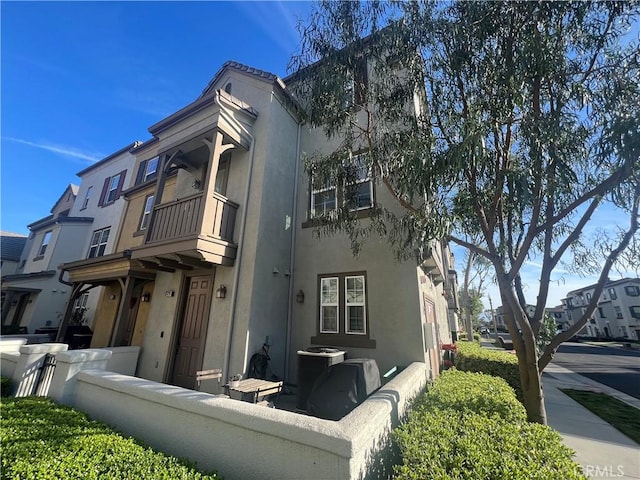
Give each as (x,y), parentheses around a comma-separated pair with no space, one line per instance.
(164,162)
(216,149)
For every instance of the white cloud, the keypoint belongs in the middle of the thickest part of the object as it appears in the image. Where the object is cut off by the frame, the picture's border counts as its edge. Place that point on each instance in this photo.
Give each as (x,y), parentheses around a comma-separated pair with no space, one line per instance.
(63,150)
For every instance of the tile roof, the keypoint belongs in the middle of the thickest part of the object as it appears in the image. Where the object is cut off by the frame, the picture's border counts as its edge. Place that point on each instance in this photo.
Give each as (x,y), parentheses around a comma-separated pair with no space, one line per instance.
(11,245)
(269,77)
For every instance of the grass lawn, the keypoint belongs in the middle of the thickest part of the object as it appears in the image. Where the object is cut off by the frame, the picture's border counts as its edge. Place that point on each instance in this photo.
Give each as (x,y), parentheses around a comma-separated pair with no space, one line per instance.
(43,440)
(615,412)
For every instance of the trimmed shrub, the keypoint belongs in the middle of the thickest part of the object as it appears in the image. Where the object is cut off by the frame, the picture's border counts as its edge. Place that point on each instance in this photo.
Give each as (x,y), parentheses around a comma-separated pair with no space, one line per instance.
(448,444)
(471,426)
(471,357)
(5,386)
(43,440)
(474,392)
(476,337)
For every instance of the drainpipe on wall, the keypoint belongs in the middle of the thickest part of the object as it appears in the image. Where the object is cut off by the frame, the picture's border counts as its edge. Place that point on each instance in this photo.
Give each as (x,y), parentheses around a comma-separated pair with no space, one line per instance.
(236,275)
(287,351)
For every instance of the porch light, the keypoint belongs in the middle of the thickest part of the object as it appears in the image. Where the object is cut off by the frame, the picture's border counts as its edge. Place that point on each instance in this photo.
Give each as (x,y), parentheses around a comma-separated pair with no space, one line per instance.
(146,296)
(300,296)
(221,292)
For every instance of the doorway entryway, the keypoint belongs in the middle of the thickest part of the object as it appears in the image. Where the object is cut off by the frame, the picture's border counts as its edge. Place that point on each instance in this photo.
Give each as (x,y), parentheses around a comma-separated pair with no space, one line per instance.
(193,331)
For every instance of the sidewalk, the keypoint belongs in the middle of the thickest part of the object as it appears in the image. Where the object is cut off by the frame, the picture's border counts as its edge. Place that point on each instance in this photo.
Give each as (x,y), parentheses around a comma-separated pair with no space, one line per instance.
(603,451)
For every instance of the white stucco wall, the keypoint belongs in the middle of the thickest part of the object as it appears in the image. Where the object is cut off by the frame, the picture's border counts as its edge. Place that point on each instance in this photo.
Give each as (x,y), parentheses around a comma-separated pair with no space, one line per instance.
(245,441)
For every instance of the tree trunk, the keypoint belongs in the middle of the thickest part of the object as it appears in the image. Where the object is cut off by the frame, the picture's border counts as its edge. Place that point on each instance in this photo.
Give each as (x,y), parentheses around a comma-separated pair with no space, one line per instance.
(524,344)
(533,395)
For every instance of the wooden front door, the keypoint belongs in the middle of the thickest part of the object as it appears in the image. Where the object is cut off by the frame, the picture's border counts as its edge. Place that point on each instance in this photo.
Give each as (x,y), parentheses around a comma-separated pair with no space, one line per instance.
(193,331)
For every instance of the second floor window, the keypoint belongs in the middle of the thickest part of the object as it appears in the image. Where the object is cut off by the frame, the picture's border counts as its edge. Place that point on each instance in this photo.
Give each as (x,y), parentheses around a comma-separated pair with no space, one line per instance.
(356,193)
(99,242)
(618,312)
(635,311)
(112,188)
(632,291)
(146,213)
(323,200)
(612,293)
(45,242)
(147,170)
(87,197)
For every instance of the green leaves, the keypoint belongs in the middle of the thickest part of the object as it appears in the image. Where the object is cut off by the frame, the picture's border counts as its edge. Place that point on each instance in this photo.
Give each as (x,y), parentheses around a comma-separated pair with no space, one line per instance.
(470,426)
(42,440)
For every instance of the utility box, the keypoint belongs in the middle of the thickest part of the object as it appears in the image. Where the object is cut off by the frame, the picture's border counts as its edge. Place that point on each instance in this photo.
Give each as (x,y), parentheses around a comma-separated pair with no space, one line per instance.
(312,362)
(343,387)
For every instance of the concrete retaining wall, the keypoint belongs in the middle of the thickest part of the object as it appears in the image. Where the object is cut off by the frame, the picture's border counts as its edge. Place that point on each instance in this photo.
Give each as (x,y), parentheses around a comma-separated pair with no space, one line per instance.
(246,441)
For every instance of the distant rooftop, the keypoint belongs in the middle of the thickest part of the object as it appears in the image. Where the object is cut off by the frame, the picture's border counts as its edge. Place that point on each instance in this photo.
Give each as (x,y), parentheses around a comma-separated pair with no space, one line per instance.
(11,245)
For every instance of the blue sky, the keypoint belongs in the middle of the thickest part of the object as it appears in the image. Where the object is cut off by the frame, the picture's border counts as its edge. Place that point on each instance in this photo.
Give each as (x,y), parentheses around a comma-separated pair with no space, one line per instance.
(80,80)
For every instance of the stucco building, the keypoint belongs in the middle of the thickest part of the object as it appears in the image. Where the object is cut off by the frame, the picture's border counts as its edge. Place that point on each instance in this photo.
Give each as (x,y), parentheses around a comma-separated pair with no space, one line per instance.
(216,253)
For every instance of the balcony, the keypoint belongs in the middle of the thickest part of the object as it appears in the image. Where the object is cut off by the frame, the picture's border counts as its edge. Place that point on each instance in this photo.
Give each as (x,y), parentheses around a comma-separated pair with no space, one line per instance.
(433,264)
(191,227)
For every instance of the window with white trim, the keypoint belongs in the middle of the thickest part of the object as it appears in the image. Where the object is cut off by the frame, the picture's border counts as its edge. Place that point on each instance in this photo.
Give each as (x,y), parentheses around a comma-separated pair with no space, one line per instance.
(632,290)
(323,200)
(635,311)
(618,312)
(87,197)
(147,170)
(146,213)
(356,194)
(113,188)
(45,242)
(329,306)
(359,194)
(99,242)
(342,301)
(612,293)
(355,311)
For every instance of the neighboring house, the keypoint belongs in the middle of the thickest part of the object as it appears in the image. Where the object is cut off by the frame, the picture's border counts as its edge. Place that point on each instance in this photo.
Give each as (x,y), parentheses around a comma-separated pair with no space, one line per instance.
(500,322)
(34,296)
(99,198)
(84,222)
(216,253)
(11,246)
(559,315)
(617,314)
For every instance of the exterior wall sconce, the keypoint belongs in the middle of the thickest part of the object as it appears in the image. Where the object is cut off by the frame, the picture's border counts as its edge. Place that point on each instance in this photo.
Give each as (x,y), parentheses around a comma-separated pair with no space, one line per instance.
(146,296)
(169,293)
(112,297)
(300,296)
(221,292)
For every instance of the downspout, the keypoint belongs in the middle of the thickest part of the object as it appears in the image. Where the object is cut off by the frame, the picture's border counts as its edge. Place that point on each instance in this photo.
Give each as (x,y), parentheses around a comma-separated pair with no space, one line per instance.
(236,275)
(287,352)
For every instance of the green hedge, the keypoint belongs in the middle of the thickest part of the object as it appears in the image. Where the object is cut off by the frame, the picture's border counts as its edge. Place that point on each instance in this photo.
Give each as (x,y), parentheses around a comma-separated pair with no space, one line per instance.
(474,358)
(471,426)
(5,386)
(473,392)
(476,337)
(43,440)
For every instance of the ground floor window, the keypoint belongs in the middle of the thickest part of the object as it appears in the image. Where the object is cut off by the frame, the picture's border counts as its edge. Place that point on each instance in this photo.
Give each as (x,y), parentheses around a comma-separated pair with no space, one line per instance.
(343,318)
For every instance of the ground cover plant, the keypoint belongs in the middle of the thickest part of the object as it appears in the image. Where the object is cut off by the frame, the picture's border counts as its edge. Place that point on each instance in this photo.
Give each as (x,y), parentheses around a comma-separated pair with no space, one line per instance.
(43,440)
(471,426)
(613,411)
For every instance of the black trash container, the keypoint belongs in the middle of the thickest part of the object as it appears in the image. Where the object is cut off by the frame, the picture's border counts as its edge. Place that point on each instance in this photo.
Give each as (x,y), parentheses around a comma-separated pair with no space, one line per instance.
(312,362)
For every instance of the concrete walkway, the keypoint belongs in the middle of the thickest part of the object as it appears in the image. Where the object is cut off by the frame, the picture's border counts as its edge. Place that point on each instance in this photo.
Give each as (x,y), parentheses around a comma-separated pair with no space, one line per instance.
(601,450)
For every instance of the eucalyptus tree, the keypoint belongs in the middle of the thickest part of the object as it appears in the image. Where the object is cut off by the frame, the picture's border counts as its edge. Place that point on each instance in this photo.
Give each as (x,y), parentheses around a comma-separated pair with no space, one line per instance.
(512,122)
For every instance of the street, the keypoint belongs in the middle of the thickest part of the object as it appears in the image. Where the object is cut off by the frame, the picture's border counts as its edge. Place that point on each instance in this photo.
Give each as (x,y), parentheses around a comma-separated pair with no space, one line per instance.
(615,367)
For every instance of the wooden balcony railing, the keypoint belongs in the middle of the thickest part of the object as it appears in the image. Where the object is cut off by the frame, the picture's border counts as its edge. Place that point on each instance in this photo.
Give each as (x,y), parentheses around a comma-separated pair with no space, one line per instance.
(183,218)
